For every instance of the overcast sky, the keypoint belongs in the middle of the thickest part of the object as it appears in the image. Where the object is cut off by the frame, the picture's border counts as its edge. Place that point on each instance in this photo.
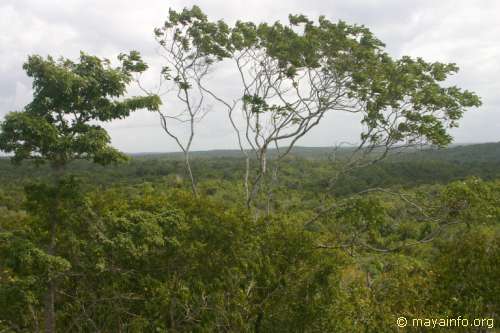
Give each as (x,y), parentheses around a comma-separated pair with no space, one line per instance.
(465,32)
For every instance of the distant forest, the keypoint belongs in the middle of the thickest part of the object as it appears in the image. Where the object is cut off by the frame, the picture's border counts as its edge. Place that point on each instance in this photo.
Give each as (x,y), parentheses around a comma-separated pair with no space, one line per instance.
(313,166)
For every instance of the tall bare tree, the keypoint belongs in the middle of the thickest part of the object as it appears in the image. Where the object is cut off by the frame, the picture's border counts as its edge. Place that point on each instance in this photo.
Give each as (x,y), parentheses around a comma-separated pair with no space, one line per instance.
(188,47)
(292,76)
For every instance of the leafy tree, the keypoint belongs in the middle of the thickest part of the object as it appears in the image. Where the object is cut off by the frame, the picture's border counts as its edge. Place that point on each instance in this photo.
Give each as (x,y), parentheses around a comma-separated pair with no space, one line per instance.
(57,126)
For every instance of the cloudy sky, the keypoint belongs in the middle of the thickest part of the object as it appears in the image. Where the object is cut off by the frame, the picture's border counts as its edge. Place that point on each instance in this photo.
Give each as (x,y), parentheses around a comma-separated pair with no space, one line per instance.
(462,31)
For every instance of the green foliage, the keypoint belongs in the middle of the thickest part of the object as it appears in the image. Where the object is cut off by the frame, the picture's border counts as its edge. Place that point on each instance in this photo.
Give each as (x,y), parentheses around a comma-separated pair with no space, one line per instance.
(467,273)
(146,258)
(195,33)
(472,201)
(56,126)
(139,259)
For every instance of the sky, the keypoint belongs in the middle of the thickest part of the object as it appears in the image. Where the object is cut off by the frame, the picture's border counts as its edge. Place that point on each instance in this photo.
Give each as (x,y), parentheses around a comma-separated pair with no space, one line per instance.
(461,31)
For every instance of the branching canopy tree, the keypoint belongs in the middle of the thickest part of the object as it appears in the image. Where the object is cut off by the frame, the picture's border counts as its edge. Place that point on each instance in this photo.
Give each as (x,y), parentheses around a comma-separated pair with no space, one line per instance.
(292,75)
(58,125)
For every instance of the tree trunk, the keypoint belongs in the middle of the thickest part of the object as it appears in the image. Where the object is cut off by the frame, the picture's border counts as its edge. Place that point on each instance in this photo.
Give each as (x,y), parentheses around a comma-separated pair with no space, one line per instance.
(49,301)
(190,173)
(50,321)
(247,174)
(264,161)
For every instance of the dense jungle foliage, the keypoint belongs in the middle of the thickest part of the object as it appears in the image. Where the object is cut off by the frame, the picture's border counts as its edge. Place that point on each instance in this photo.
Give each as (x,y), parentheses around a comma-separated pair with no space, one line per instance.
(137,253)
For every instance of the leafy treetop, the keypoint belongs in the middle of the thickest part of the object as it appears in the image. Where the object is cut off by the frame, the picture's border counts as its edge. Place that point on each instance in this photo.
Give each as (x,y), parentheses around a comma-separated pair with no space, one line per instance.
(59,125)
